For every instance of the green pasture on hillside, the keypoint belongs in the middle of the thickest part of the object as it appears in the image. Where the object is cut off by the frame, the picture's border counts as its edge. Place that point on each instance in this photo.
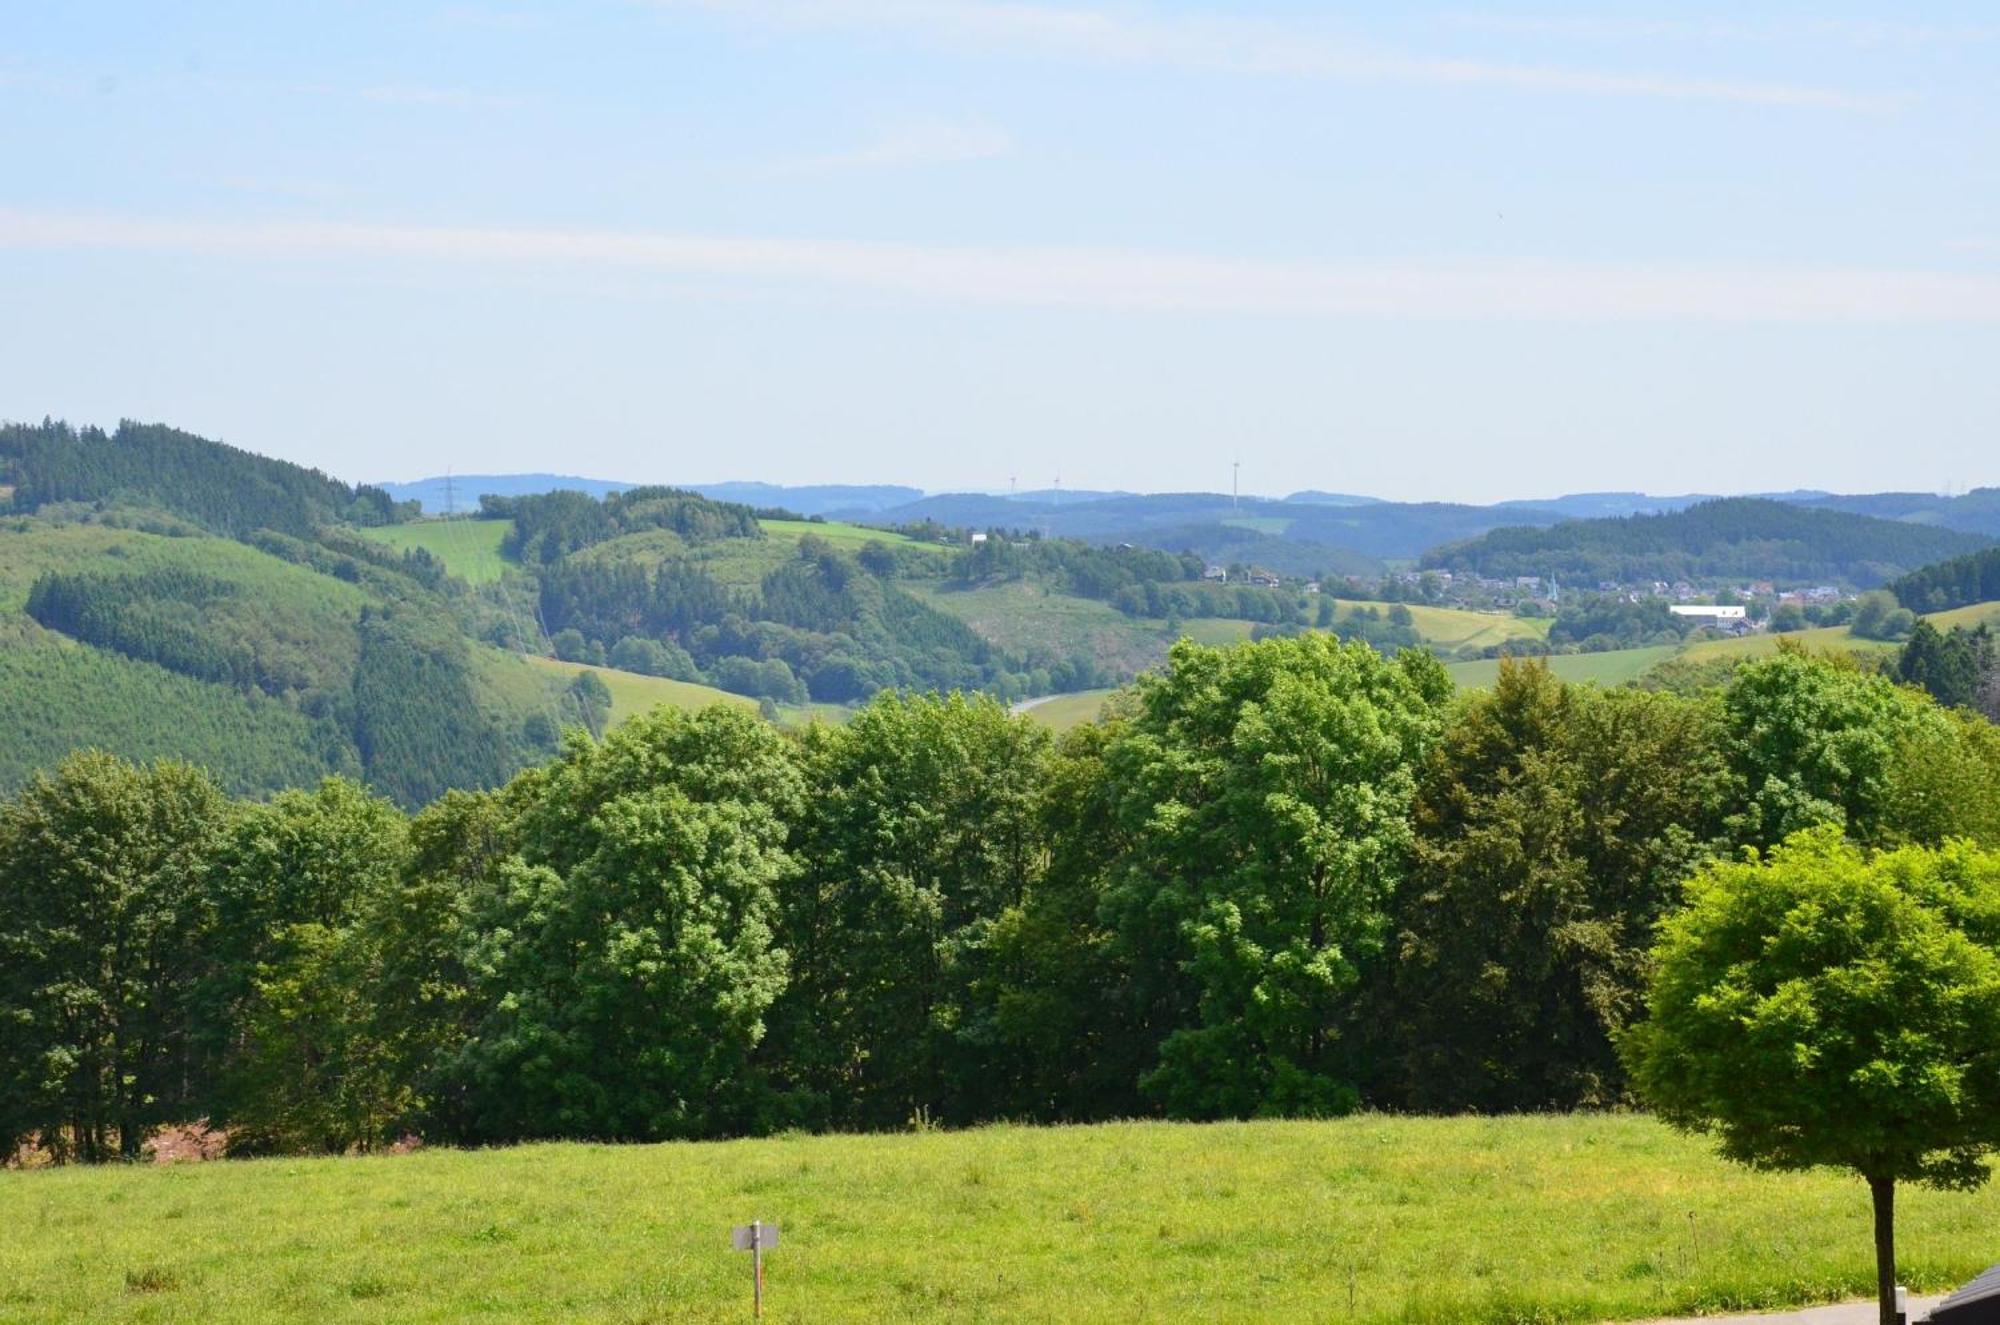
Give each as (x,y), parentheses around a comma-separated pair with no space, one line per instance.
(1818,640)
(1611,668)
(633,693)
(851,537)
(1464,1220)
(1059,713)
(469,549)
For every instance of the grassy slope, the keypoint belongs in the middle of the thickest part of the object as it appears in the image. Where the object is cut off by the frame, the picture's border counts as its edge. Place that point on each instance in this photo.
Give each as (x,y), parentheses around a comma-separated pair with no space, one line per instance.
(851,537)
(1367,1219)
(1026,619)
(1757,646)
(1061,712)
(1449,628)
(469,549)
(1979,614)
(57,695)
(633,693)
(1613,668)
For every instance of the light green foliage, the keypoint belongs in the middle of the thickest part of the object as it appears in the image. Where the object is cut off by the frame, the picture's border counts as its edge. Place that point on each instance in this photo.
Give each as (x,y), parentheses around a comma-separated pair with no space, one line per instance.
(287,1005)
(312,1075)
(622,959)
(1553,829)
(1414,1221)
(1821,1008)
(1817,740)
(105,927)
(922,829)
(1264,791)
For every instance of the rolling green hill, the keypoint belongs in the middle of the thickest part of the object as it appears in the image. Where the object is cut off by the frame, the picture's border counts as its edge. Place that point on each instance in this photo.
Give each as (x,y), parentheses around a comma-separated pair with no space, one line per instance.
(1736,537)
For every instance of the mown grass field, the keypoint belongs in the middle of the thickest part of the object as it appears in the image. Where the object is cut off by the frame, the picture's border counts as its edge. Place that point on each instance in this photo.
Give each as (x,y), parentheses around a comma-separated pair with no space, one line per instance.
(1758,646)
(1609,669)
(1027,620)
(1415,1221)
(1451,628)
(633,693)
(1059,713)
(469,549)
(851,537)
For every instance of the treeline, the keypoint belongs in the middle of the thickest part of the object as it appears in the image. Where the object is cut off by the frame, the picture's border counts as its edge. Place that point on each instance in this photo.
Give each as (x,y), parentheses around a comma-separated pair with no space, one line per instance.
(1959,582)
(1959,667)
(1732,538)
(221,488)
(1138,581)
(1287,878)
(549,526)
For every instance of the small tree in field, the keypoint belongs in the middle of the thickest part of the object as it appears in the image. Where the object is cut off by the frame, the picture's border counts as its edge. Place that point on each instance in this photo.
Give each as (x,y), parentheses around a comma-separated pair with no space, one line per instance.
(1819,1007)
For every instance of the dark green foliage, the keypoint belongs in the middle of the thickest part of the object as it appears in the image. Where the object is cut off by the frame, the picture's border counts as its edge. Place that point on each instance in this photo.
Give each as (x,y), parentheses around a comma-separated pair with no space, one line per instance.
(923,831)
(1953,667)
(1959,582)
(105,922)
(1876,616)
(1554,826)
(57,697)
(1264,792)
(219,487)
(154,617)
(609,603)
(623,957)
(1738,537)
(550,526)
(1607,621)
(417,725)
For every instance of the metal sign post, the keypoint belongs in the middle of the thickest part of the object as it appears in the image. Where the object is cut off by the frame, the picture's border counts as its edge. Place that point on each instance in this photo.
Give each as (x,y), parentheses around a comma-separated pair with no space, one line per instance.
(755,1237)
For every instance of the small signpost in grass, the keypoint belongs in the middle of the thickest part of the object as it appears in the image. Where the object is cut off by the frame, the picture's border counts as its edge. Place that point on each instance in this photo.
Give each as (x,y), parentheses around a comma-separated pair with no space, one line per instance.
(756,1237)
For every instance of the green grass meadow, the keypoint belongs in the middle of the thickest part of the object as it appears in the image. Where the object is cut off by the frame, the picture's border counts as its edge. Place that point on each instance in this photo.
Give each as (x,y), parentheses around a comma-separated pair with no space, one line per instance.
(1480,1221)
(1612,668)
(469,549)
(1059,713)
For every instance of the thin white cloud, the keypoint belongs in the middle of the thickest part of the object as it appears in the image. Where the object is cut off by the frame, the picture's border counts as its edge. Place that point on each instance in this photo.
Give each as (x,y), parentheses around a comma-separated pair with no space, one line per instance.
(1232,45)
(1862,33)
(917,143)
(1089,278)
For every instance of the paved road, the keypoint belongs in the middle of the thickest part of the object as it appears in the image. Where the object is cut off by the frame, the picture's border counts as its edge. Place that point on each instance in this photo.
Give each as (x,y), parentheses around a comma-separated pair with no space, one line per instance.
(1848,1313)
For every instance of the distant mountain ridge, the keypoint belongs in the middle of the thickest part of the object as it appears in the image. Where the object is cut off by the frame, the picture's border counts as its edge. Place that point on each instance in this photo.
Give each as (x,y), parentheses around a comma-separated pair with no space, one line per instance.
(1734,537)
(1306,530)
(441,492)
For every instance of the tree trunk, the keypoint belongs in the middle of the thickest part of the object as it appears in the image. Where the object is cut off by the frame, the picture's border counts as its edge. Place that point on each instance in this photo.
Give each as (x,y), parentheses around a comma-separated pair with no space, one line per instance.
(1884,1192)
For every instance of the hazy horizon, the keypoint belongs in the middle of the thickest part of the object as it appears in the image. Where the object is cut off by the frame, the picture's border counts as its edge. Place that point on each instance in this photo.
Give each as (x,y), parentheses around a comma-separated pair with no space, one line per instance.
(1415,252)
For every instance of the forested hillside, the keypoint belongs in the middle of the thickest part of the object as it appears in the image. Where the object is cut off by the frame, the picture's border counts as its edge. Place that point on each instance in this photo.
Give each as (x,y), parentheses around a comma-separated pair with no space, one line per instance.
(1736,537)
(1959,582)
(174,596)
(221,488)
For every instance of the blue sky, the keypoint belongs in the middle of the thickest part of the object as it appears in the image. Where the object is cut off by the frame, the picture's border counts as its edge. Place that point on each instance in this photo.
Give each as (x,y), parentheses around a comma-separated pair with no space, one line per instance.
(1450,251)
